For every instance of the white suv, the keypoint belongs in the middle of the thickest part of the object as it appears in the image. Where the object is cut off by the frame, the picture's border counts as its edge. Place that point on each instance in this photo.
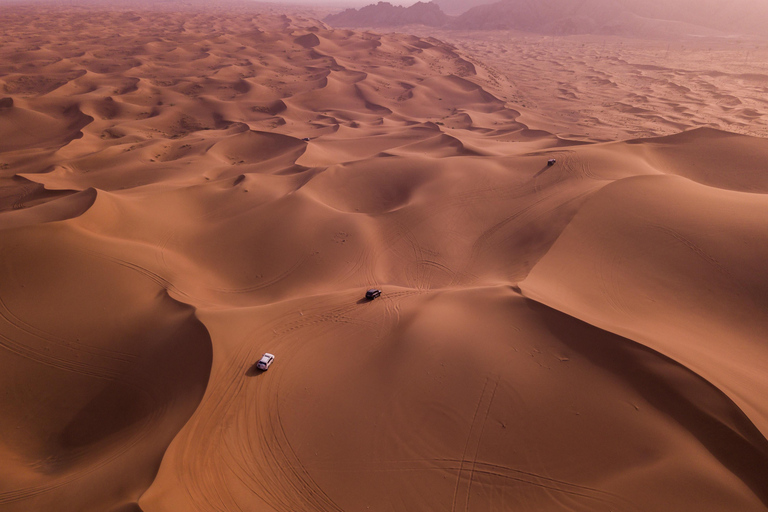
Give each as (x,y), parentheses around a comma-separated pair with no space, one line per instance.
(265,361)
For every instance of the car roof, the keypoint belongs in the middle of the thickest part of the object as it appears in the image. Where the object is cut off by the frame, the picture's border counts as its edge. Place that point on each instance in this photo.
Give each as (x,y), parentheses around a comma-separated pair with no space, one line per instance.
(267,354)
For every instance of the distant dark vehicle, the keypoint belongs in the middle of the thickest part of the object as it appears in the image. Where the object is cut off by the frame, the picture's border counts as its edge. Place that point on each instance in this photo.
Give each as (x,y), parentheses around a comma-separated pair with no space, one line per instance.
(305,139)
(265,361)
(372,293)
(551,161)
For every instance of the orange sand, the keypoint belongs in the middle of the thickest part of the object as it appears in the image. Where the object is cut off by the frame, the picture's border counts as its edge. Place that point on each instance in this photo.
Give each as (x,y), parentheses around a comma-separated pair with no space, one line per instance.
(589,336)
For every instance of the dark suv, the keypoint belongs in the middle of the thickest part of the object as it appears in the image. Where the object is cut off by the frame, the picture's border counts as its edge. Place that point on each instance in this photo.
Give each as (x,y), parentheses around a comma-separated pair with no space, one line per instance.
(372,293)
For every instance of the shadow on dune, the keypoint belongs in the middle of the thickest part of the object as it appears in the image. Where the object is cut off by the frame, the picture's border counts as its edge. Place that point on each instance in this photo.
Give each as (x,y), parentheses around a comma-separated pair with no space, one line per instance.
(543,169)
(253,371)
(114,366)
(128,507)
(165,385)
(700,408)
(49,205)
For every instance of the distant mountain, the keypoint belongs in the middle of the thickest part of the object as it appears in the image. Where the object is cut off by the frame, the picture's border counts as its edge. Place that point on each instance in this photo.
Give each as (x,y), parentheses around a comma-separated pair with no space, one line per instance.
(455,7)
(625,17)
(633,18)
(548,16)
(734,16)
(384,14)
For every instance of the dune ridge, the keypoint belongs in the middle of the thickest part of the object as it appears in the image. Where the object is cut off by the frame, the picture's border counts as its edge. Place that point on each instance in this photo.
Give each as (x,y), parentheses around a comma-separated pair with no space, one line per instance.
(184,190)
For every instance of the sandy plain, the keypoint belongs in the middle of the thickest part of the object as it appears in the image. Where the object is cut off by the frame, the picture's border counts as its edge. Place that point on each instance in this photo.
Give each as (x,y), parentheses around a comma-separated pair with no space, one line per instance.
(587,336)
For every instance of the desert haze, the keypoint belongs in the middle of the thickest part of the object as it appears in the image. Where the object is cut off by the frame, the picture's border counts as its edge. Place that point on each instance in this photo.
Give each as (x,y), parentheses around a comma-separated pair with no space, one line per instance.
(569,233)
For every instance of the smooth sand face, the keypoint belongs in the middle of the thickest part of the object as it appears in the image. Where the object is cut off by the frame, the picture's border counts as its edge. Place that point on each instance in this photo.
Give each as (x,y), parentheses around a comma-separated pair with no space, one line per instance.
(585,336)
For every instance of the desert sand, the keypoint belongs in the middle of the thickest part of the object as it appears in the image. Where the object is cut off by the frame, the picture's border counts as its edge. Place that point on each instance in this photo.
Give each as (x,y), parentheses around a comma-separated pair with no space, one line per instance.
(182,190)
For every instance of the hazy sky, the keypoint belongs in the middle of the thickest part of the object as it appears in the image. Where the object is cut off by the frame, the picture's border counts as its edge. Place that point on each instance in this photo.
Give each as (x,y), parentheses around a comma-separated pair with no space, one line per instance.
(349,3)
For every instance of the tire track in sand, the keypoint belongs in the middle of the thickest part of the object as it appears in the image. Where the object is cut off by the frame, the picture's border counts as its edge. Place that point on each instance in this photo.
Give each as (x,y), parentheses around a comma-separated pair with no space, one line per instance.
(467,467)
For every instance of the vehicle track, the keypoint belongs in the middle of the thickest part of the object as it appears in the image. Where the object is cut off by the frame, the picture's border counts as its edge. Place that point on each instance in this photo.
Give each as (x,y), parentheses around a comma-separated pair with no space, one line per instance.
(696,249)
(240,428)
(462,491)
(48,337)
(268,282)
(525,212)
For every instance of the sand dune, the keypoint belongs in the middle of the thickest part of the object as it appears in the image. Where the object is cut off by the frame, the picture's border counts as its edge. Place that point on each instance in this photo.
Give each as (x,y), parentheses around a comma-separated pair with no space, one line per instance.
(183,190)
(605,88)
(680,267)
